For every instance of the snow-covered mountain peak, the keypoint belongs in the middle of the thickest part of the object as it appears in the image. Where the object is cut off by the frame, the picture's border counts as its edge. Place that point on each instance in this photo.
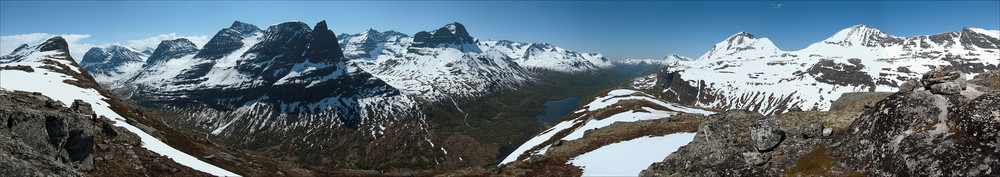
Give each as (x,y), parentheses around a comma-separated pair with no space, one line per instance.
(225,41)
(675,57)
(995,34)
(244,28)
(862,35)
(369,31)
(172,49)
(22,47)
(371,43)
(744,44)
(110,64)
(740,38)
(112,54)
(56,46)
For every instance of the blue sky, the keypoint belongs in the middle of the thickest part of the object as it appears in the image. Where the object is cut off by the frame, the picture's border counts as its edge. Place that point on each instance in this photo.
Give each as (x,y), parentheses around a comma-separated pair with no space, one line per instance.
(618,29)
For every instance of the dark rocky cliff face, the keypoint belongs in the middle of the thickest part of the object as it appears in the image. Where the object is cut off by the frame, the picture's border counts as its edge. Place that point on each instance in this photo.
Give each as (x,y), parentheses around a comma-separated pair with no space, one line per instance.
(681,91)
(453,33)
(940,125)
(171,49)
(224,42)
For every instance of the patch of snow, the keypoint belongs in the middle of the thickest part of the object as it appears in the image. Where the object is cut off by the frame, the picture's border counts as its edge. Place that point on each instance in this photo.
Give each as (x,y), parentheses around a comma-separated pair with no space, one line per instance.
(628,158)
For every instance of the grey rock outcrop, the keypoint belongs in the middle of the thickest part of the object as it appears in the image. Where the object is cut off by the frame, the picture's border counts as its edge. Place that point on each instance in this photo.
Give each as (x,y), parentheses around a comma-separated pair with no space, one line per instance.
(82,107)
(766,135)
(909,86)
(721,147)
(54,140)
(944,81)
(37,140)
(914,132)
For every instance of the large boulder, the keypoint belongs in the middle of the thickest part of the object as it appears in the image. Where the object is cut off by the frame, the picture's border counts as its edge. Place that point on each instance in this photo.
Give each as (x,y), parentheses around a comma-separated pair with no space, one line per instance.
(82,107)
(811,129)
(766,134)
(944,81)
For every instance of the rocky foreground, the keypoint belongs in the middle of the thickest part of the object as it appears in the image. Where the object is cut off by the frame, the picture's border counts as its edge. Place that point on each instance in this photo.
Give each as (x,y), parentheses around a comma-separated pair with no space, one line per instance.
(43,137)
(941,125)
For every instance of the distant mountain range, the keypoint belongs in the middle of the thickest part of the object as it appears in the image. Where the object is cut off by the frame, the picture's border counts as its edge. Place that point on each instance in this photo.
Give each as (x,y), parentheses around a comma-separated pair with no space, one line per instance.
(449,62)
(746,72)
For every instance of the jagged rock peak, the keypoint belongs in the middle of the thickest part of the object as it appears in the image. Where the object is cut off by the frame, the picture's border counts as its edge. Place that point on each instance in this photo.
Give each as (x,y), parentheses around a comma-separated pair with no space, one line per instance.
(244,28)
(55,43)
(369,31)
(323,45)
(452,33)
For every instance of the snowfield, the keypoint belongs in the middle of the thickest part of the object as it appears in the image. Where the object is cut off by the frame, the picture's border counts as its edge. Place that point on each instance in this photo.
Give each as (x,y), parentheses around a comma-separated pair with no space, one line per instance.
(628,158)
(51,84)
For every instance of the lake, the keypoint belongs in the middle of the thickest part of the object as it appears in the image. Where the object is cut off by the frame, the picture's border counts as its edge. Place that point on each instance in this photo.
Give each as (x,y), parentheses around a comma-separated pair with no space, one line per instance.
(557,109)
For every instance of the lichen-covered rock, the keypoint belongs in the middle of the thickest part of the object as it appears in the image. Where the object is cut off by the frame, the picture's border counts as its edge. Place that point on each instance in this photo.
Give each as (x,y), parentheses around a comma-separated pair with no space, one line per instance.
(756,158)
(717,149)
(944,81)
(54,104)
(989,79)
(947,88)
(107,128)
(914,134)
(909,86)
(811,129)
(981,119)
(766,135)
(82,107)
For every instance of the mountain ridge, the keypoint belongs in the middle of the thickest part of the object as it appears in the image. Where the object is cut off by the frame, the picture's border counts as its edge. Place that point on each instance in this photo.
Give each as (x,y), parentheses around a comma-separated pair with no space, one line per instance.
(870,60)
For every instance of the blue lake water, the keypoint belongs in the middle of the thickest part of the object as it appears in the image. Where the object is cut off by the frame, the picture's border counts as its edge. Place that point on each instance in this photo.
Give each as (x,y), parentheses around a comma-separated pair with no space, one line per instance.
(557,109)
